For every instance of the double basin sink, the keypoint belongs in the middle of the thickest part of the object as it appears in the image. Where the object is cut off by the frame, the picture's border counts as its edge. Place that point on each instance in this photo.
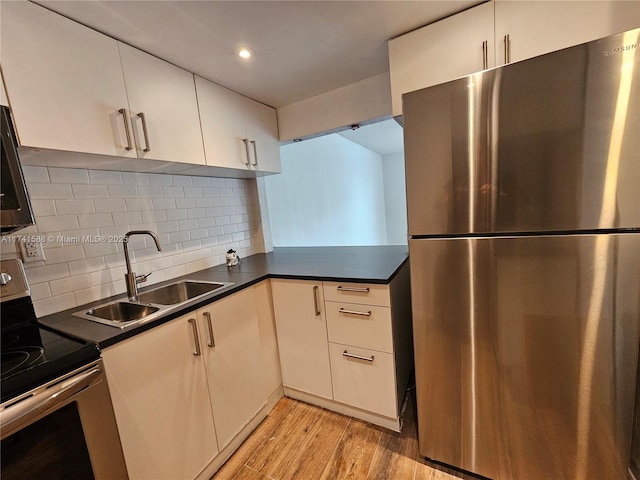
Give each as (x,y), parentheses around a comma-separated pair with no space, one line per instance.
(151,304)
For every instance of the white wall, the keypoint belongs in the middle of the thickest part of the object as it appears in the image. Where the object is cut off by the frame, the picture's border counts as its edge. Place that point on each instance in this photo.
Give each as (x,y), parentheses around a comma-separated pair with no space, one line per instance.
(330,192)
(356,103)
(395,198)
(197,219)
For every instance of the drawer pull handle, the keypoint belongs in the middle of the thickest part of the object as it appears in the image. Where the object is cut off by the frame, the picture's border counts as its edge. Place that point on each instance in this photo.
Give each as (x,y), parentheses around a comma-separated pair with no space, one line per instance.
(358,357)
(354,312)
(212,340)
(353,289)
(196,338)
(316,302)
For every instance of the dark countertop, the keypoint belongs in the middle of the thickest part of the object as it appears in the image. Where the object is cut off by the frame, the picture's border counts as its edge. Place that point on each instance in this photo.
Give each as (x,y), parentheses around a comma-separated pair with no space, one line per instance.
(369,264)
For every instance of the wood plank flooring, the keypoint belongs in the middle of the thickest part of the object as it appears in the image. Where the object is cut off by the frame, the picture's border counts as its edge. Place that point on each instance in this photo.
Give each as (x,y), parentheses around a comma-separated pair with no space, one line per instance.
(298,441)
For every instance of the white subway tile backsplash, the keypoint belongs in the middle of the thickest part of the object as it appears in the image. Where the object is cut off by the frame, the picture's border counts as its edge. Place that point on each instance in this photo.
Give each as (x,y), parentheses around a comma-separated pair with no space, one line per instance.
(69,284)
(185,203)
(127,218)
(201,182)
(50,191)
(132,178)
(164,203)
(54,304)
(68,175)
(87,265)
(71,207)
(96,220)
(194,192)
(160,179)
(42,208)
(104,177)
(173,191)
(57,223)
(84,215)
(176,214)
(149,191)
(122,191)
(181,180)
(88,191)
(33,174)
(110,205)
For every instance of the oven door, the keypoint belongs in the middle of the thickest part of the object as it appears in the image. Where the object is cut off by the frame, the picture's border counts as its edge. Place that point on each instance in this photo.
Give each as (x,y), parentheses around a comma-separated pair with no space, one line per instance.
(63,429)
(15,209)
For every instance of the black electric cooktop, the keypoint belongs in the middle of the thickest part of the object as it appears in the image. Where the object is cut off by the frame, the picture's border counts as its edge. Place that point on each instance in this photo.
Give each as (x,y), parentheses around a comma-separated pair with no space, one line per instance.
(33,354)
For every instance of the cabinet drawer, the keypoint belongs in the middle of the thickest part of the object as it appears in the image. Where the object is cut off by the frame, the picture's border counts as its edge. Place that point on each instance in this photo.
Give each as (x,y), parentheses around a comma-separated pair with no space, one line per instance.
(367,383)
(363,293)
(364,326)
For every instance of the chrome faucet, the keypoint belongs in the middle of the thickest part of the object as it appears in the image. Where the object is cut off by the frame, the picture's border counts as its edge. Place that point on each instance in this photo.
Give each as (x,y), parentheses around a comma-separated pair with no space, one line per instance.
(130,277)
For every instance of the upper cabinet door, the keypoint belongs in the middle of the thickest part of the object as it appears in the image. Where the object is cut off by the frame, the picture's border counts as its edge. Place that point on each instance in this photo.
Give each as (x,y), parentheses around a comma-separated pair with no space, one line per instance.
(451,48)
(262,132)
(164,108)
(223,126)
(64,82)
(535,27)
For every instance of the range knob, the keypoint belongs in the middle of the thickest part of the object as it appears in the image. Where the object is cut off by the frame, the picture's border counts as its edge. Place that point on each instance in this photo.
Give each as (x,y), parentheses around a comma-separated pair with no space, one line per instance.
(5,278)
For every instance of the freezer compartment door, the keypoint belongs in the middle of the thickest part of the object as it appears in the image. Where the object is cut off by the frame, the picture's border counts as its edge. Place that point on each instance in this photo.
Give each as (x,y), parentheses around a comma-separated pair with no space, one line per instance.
(526,353)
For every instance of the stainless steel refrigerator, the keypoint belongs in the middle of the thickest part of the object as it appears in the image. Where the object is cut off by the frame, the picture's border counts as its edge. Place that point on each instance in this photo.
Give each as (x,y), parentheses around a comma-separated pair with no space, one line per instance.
(523,191)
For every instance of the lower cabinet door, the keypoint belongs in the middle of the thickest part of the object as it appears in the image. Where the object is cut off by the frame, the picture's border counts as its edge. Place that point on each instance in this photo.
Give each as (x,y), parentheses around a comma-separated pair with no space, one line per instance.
(159,392)
(364,379)
(230,339)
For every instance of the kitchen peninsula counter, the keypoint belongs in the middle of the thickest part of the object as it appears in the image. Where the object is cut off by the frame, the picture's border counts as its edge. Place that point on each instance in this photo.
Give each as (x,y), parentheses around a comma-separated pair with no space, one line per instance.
(367,264)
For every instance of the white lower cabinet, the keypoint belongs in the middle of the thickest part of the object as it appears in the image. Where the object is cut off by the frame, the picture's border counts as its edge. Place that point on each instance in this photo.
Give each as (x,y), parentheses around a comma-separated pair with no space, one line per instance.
(161,401)
(364,379)
(231,349)
(302,336)
(345,346)
(188,392)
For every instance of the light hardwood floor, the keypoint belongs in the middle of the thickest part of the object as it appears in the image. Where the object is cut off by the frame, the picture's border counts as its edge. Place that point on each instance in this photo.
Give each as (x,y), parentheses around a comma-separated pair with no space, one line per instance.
(298,441)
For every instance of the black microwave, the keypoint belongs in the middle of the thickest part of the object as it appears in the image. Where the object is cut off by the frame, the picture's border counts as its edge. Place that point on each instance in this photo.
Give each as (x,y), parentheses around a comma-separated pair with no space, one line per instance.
(15,208)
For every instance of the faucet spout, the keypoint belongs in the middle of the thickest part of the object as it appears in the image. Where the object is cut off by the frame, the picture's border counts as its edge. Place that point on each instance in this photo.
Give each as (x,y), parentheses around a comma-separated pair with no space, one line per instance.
(130,277)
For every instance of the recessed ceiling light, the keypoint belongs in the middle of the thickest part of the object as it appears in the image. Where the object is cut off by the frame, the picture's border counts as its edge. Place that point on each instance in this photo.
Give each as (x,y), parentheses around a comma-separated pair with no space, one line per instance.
(243,52)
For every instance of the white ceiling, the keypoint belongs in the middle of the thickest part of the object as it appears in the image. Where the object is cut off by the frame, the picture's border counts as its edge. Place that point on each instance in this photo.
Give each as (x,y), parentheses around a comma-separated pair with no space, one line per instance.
(302,48)
(383,137)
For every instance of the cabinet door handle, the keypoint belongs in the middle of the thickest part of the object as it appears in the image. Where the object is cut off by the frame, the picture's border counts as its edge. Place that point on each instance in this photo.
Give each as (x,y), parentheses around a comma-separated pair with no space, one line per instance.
(353,289)
(507,49)
(246,148)
(196,338)
(127,132)
(316,302)
(255,153)
(355,312)
(485,55)
(147,147)
(359,357)
(212,340)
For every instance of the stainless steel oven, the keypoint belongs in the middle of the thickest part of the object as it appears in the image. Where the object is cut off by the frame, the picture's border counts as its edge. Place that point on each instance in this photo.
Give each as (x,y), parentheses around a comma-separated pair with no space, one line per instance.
(15,208)
(56,416)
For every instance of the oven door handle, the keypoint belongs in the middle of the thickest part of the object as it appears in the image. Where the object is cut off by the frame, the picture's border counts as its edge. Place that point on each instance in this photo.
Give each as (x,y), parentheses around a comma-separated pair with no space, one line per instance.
(19,415)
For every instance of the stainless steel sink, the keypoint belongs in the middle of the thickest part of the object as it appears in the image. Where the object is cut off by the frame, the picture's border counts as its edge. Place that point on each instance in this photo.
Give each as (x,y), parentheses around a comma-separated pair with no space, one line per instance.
(122,311)
(179,292)
(151,304)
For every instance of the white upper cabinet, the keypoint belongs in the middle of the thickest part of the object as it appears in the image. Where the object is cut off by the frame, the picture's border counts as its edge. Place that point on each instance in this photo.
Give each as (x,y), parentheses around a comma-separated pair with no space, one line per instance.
(526,29)
(237,131)
(262,132)
(453,47)
(456,46)
(64,82)
(163,108)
